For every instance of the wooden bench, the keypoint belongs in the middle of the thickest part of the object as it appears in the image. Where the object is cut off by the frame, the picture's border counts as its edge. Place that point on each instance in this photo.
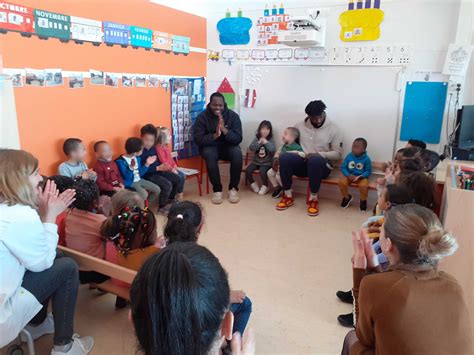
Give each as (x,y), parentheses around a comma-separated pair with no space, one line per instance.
(106,268)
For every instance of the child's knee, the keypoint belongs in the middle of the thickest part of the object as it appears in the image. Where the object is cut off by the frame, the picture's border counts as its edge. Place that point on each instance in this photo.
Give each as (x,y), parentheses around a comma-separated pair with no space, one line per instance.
(247,304)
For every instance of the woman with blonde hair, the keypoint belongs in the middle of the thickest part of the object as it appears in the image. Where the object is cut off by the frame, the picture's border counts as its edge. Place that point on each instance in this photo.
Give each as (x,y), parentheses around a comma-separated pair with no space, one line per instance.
(31,273)
(413,308)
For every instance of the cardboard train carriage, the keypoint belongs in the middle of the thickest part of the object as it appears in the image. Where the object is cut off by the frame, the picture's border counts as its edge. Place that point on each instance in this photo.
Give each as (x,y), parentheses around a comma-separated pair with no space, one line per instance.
(46,24)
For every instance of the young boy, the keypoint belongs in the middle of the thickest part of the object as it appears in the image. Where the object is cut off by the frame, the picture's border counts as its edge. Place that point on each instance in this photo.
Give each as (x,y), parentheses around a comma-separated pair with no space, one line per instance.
(132,171)
(356,169)
(74,167)
(290,138)
(108,174)
(159,173)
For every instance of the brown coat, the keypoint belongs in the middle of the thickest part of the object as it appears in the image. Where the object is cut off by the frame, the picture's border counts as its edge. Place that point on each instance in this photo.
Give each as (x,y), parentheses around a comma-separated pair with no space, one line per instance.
(410,313)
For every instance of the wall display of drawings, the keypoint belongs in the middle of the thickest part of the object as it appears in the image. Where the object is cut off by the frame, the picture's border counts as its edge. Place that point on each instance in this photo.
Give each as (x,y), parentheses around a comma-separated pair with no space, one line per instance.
(46,24)
(399,55)
(187,102)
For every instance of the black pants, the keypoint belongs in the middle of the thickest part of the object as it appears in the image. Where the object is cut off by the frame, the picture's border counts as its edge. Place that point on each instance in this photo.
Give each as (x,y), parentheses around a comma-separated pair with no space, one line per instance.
(231,153)
(263,170)
(165,185)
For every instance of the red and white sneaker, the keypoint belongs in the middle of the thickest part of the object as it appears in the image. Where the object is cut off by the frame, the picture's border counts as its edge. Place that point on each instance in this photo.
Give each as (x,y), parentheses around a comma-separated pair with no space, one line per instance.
(313,208)
(285,203)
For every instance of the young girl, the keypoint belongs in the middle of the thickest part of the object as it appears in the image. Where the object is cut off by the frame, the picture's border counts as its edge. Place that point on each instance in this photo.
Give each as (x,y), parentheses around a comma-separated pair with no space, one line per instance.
(263,149)
(82,227)
(164,156)
(185,221)
(31,272)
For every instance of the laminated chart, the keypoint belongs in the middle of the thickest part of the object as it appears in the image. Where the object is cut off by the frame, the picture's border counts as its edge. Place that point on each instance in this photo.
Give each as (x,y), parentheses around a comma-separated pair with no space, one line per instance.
(52,24)
(84,29)
(141,37)
(16,18)
(162,41)
(181,44)
(116,33)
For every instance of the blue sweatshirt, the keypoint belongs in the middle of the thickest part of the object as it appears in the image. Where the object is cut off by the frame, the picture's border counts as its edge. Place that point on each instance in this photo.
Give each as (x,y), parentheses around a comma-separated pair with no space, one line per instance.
(357,166)
(127,172)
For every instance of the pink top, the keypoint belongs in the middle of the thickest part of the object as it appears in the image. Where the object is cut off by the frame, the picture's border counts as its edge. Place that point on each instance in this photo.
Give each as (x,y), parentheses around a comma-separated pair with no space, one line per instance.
(164,156)
(83,232)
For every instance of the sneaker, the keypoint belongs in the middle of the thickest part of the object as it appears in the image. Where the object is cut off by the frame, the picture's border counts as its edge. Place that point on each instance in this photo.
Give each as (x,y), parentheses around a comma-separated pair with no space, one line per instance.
(363,205)
(234,196)
(263,190)
(254,187)
(346,201)
(346,320)
(37,331)
(313,208)
(120,302)
(285,203)
(345,296)
(217,198)
(277,191)
(80,346)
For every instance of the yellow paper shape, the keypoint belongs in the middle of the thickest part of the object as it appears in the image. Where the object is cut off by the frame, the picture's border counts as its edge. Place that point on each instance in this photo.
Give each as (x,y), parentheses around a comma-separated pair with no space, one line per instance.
(360,25)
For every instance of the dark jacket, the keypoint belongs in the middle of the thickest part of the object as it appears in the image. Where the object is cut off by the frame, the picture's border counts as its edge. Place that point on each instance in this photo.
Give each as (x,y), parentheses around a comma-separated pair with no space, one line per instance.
(206,125)
(149,153)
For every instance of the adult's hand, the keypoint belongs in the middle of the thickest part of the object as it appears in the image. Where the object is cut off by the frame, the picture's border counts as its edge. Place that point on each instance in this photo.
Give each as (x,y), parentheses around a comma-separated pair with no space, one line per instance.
(359,260)
(370,255)
(51,203)
(245,345)
(218,132)
(237,296)
(221,125)
(309,155)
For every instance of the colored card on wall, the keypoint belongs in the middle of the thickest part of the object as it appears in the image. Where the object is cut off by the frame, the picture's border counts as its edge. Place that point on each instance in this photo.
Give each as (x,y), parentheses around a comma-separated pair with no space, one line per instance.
(162,40)
(181,44)
(423,111)
(52,24)
(15,17)
(116,33)
(141,37)
(84,29)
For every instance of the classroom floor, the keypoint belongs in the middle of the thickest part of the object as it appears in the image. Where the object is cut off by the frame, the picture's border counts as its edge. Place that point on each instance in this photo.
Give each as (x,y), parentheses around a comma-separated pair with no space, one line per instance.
(290,265)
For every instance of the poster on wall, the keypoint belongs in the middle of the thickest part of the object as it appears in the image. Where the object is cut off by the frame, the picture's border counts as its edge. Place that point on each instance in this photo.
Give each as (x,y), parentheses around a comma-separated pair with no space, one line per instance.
(361,21)
(16,76)
(234,30)
(97,77)
(84,29)
(53,77)
(141,37)
(457,59)
(187,102)
(180,44)
(51,24)
(34,77)
(162,41)
(76,80)
(116,33)
(128,80)
(15,17)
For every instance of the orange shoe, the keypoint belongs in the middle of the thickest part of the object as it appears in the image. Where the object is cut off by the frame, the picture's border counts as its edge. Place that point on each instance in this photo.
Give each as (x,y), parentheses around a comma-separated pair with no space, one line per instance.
(285,203)
(313,209)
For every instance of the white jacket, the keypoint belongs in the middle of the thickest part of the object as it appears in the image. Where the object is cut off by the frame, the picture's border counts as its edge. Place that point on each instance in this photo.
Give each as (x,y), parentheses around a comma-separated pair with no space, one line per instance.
(25,244)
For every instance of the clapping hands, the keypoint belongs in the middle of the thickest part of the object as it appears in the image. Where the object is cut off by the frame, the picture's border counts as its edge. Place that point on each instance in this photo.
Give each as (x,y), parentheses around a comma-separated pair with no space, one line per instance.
(51,203)
(364,255)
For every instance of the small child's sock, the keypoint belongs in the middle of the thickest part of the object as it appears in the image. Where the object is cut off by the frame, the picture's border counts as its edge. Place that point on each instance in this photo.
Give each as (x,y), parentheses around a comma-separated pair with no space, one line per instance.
(288,193)
(313,197)
(63,348)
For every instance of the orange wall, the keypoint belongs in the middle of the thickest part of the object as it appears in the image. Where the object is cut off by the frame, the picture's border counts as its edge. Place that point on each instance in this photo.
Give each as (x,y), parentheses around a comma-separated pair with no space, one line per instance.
(46,116)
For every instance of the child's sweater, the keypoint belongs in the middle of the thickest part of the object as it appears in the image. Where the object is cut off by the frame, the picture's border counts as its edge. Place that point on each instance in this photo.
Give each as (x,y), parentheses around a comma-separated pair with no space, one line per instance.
(127,171)
(108,175)
(263,153)
(357,166)
(72,170)
(164,156)
(288,148)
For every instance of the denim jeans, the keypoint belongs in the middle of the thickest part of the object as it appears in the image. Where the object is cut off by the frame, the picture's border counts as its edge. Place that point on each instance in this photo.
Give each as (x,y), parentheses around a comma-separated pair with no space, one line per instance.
(231,153)
(241,313)
(59,284)
(315,168)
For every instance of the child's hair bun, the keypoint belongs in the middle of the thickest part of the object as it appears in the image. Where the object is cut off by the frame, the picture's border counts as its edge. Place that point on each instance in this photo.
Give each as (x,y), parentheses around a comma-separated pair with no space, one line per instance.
(437,244)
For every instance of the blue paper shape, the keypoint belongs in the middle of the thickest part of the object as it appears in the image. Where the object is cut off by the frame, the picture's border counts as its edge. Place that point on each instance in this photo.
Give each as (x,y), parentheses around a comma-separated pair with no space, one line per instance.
(234,30)
(423,111)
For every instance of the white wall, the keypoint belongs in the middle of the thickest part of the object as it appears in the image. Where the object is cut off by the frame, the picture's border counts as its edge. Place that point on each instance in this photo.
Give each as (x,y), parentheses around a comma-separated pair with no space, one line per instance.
(428,26)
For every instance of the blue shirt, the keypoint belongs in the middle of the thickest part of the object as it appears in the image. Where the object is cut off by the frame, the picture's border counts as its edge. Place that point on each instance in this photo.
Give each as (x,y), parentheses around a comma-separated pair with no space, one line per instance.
(357,166)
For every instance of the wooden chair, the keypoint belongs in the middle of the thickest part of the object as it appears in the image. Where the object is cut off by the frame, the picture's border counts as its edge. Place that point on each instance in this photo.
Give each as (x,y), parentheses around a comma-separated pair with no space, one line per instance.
(203,165)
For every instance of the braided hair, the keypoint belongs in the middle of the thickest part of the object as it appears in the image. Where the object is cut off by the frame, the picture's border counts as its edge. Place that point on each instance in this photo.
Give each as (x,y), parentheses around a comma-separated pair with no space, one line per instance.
(134,228)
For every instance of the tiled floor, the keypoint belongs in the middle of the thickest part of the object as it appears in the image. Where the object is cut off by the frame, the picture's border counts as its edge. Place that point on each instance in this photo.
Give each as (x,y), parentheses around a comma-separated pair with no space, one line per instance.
(289,264)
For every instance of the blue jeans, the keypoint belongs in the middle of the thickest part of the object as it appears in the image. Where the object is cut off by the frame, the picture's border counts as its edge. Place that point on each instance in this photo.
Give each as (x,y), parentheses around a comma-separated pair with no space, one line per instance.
(241,313)
(315,168)
(59,284)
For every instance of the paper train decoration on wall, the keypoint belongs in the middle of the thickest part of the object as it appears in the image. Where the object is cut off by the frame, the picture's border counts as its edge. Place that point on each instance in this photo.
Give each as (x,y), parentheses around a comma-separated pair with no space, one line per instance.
(46,24)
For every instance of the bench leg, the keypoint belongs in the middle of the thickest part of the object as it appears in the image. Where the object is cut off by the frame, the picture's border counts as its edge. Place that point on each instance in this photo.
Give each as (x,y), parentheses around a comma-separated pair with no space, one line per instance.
(199,184)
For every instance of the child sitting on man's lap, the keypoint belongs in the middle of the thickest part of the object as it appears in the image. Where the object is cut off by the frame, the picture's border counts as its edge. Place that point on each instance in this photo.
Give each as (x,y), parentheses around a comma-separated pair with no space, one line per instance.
(356,169)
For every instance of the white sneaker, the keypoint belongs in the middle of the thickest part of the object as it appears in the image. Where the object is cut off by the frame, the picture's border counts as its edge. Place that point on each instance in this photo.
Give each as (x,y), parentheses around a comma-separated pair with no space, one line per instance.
(263,190)
(254,187)
(80,346)
(37,331)
(234,196)
(217,198)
